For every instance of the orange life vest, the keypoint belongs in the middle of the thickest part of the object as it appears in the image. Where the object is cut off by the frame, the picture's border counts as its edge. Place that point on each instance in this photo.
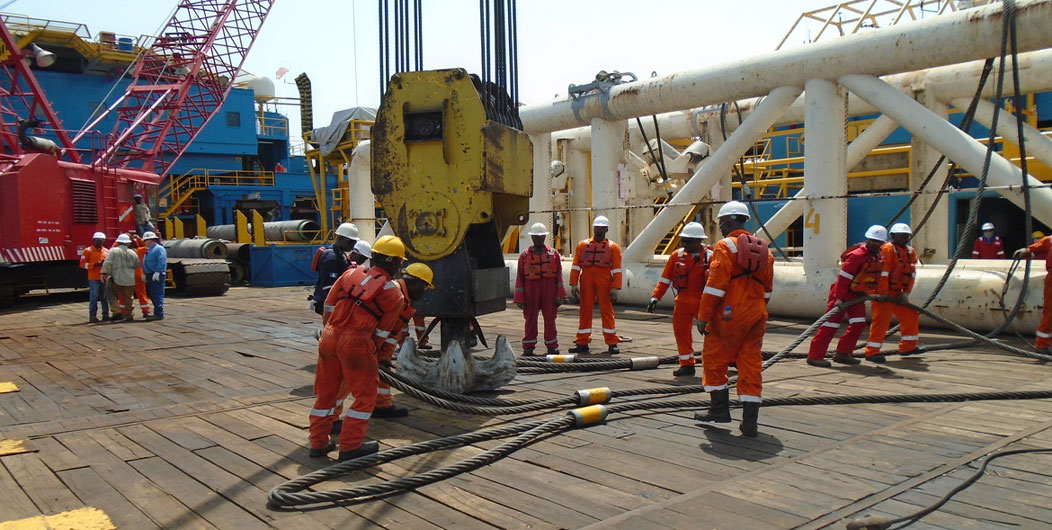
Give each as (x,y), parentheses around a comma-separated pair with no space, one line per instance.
(597,254)
(364,289)
(867,279)
(681,270)
(540,265)
(904,270)
(751,255)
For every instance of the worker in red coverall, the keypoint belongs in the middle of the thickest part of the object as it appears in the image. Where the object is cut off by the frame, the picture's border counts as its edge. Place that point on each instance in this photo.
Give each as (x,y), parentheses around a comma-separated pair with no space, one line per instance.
(597,266)
(896,281)
(859,275)
(733,311)
(685,271)
(988,246)
(361,312)
(539,288)
(1044,329)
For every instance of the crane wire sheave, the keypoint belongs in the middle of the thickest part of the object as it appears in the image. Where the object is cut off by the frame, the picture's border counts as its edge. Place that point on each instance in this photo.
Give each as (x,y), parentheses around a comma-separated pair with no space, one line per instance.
(179,83)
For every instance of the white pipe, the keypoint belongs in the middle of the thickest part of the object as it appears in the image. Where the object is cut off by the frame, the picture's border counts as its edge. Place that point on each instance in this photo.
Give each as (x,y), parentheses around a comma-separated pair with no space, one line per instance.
(717,165)
(580,198)
(609,148)
(949,140)
(933,240)
(363,203)
(1037,144)
(948,39)
(825,224)
(541,199)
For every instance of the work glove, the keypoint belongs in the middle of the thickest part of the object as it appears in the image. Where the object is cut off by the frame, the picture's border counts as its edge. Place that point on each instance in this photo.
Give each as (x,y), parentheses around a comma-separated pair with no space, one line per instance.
(520,305)
(386,364)
(156,276)
(143,277)
(1021,253)
(880,298)
(840,304)
(575,291)
(613,295)
(701,324)
(98,264)
(559,301)
(652,305)
(903,300)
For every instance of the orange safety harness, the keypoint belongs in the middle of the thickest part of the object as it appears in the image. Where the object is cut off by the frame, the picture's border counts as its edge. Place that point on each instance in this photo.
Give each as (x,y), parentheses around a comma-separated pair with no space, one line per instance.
(542,265)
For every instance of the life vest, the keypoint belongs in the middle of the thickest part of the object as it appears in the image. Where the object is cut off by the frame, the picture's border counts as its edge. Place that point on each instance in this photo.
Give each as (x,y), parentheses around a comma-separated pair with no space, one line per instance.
(317,258)
(597,254)
(867,278)
(750,253)
(363,292)
(904,271)
(681,270)
(540,265)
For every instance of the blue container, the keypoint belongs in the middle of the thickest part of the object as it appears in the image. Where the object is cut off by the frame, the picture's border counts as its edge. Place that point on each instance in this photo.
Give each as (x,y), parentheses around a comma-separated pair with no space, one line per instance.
(282,265)
(126,44)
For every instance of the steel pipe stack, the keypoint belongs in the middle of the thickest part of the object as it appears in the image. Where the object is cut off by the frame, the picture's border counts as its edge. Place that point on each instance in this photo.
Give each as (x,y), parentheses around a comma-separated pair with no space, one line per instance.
(297,230)
(195,248)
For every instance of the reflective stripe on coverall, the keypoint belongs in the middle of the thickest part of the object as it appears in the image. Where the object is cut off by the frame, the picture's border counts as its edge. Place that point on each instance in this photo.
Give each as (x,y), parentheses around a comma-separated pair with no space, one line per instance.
(353,335)
(993,249)
(686,274)
(1044,328)
(897,278)
(857,262)
(740,339)
(597,265)
(538,282)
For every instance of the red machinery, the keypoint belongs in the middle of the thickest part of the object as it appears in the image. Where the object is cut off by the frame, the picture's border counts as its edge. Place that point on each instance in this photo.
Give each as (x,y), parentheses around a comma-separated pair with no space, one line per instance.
(51,199)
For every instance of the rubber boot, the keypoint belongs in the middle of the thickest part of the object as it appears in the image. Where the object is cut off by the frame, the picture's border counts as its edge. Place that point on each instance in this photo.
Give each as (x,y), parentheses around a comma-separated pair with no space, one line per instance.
(684,370)
(719,409)
(394,411)
(750,412)
(368,447)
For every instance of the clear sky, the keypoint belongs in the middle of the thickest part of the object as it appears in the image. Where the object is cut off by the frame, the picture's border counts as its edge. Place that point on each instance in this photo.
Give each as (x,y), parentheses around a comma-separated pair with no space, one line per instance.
(560,41)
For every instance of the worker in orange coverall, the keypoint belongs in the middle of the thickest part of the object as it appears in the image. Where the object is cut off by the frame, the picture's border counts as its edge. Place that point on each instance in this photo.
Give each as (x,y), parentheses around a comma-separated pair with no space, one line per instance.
(539,288)
(597,266)
(361,312)
(685,271)
(1044,328)
(734,312)
(91,259)
(859,275)
(896,281)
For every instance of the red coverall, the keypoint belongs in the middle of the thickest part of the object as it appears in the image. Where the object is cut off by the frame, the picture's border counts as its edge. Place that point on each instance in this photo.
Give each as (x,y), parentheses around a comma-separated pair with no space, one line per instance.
(353,337)
(686,273)
(1044,329)
(597,265)
(897,277)
(859,274)
(993,249)
(738,340)
(538,282)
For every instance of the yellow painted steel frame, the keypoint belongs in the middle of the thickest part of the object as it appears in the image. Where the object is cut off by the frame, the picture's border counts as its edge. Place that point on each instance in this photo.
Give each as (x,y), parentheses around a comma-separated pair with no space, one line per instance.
(434,189)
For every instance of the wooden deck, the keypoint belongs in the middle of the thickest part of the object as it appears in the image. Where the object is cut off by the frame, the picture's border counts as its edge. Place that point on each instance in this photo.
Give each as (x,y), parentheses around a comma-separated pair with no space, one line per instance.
(188,423)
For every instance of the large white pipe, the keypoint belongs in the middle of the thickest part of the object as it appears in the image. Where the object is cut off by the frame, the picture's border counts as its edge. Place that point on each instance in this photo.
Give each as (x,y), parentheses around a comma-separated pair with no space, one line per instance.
(609,150)
(947,39)
(541,200)
(642,248)
(825,173)
(933,240)
(949,140)
(1037,145)
(363,203)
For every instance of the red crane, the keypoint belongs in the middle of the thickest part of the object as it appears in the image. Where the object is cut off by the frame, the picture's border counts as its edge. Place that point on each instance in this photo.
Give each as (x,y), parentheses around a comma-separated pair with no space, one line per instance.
(52,201)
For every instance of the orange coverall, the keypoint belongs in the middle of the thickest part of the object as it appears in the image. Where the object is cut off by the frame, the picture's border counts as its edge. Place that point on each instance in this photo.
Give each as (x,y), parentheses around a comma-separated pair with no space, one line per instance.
(597,266)
(896,279)
(738,340)
(686,274)
(354,334)
(1044,329)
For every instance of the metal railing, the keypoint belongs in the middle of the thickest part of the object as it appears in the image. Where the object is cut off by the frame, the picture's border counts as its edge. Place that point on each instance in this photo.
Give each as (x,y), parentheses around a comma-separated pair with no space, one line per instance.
(272,125)
(177,190)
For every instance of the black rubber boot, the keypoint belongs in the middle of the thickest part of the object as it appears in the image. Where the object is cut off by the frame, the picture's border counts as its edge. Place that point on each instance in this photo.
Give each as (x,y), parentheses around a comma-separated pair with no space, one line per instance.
(687,369)
(337,426)
(719,409)
(750,412)
(613,349)
(579,348)
(318,453)
(527,352)
(845,358)
(368,447)
(394,411)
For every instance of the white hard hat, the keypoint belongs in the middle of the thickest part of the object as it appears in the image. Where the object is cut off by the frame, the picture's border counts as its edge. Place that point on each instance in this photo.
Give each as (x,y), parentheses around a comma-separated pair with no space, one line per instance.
(363,248)
(98,235)
(693,231)
(123,238)
(734,208)
(150,235)
(347,230)
(877,232)
(601,221)
(538,229)
(900,228)
(988,226)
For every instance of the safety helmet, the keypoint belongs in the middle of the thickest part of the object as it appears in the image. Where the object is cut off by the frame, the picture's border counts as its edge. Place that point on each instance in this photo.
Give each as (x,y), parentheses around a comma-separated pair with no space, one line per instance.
(421,272)
(1037,234)
(347,230)
(877,232)
(363,248)
(734,208)
(124,239)
(150,235)
(693,231)
(389,246)
(137,196)
(98,235)
(988,226)
(601,221)
(538,229)
(900,228)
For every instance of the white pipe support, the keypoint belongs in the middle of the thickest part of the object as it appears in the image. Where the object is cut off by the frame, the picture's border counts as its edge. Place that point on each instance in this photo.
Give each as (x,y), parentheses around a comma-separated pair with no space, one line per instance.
(609,174)
(825,173)
(933,240)
(541,199)
(948,39)
(576,162)
(949,140)
(1037,145)
(362,201)
(717,165)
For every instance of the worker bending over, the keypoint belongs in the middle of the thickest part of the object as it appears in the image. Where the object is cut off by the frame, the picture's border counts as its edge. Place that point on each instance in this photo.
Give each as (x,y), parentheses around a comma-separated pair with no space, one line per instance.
(859,274)
(899,272)
(539,288)
(597,266)
(988,245)
(1043,246)
(733,311)
(685,271)
(361,312)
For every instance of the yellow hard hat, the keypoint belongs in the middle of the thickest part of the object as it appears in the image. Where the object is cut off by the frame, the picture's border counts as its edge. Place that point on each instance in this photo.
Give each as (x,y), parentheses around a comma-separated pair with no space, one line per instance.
(1038,234)
(421,271)
(389,246)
